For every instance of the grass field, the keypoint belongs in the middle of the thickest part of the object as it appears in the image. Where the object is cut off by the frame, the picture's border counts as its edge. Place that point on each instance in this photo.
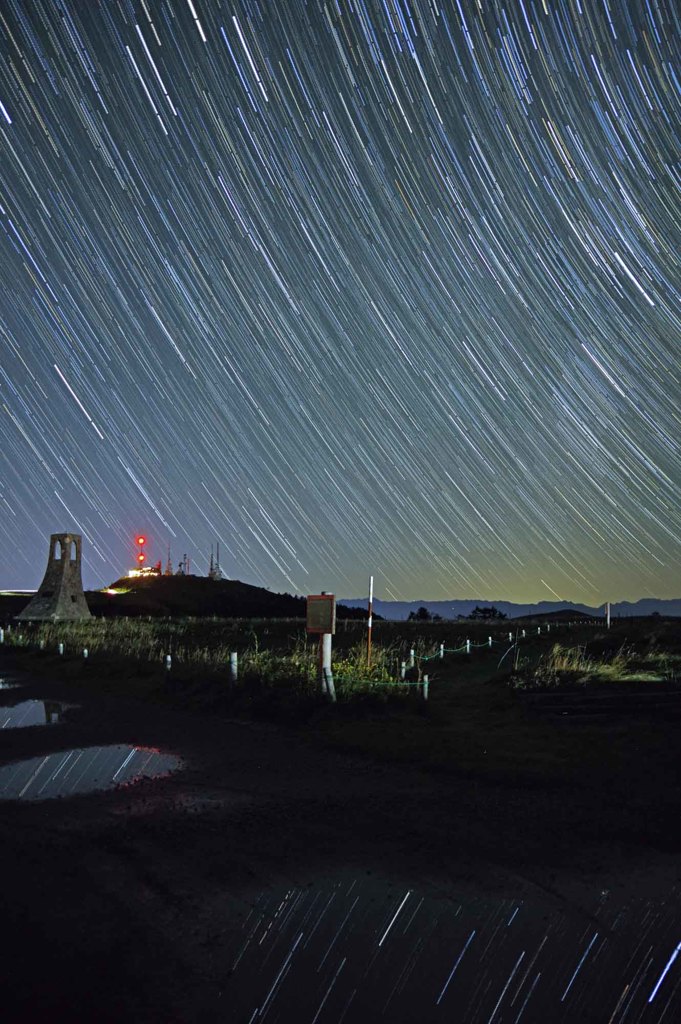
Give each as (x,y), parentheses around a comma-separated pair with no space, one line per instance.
(278,654)
(584,719)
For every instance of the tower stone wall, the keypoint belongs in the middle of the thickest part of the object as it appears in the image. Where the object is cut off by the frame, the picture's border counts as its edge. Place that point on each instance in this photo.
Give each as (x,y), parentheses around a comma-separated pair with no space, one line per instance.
(60,597)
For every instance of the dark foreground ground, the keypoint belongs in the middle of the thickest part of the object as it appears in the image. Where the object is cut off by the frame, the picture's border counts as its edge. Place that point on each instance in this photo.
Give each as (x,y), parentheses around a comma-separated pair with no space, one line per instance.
(280,878)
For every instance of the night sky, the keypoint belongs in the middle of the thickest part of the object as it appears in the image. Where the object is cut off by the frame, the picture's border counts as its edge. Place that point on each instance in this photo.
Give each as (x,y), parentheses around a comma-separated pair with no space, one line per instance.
(350,287)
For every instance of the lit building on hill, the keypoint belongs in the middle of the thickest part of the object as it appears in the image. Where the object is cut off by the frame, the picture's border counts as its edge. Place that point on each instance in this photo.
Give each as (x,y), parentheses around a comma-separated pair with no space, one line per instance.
(145,572)
(142,571)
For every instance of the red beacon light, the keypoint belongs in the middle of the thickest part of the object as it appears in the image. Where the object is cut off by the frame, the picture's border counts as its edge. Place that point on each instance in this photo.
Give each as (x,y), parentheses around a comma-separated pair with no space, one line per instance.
(141,569)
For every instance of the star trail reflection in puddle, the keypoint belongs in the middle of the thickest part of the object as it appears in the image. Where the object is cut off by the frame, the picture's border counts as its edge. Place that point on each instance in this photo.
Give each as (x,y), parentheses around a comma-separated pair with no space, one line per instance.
(32,712)
(84,770)
(363,950)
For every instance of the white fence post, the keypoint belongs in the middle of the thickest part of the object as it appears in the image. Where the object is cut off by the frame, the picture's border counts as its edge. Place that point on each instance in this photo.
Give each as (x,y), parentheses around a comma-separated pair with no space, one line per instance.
(326,667)
(442,650)
(60,648)
(425,687)
(489,640)
(233,667)
(468,647)
(412,661)
(403,670)
(85,653)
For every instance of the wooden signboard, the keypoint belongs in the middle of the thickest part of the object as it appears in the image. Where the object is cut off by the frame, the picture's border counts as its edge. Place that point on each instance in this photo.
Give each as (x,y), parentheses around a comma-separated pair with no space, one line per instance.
(321,613)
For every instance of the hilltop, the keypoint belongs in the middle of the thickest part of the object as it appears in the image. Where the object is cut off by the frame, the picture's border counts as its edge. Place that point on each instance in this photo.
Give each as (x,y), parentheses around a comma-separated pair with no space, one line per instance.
(185,596)
(198,596)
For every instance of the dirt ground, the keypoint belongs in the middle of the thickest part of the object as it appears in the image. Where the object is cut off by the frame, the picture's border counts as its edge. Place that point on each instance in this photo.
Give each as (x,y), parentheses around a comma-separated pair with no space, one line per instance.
(132,904)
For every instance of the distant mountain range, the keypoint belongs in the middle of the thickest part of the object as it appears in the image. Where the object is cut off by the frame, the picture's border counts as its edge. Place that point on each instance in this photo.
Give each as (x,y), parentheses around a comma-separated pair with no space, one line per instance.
(451,609)
(199,596)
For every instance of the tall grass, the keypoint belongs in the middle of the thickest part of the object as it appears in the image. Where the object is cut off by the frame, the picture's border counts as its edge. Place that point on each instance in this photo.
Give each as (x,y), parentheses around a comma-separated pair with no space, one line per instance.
(571,666)
(270,655)
(273,654)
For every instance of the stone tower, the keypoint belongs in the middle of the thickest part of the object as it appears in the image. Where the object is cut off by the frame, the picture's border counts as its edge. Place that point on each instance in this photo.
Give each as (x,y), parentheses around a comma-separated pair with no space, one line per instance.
(60,597)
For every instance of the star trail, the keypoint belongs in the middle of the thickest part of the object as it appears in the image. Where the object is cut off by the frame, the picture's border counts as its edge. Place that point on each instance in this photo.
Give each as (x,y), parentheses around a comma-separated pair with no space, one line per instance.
(347,286)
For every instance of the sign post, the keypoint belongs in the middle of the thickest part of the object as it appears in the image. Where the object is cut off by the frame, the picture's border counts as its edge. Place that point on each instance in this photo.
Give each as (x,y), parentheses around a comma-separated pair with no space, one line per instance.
(321,619)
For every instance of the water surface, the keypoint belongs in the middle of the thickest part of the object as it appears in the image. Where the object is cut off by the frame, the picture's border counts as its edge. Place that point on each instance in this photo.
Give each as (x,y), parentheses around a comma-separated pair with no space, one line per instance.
(83,770)
(32,712)
(363,949)
(7,683)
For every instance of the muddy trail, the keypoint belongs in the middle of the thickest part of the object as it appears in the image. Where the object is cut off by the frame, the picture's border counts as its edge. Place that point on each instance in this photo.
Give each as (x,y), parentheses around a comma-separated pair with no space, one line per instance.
(271,877)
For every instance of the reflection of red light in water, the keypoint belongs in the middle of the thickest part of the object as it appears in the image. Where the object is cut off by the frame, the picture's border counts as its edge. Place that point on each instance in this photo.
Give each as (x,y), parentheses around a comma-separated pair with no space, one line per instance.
(145,767)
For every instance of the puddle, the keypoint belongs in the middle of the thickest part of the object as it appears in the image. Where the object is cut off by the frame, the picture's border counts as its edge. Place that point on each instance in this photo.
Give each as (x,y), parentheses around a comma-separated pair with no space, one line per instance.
(365,949)
(85,770)
(33,712)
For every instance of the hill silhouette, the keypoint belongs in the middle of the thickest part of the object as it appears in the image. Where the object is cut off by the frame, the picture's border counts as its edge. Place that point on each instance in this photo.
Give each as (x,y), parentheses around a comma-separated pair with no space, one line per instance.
(200,597)
(185,597)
